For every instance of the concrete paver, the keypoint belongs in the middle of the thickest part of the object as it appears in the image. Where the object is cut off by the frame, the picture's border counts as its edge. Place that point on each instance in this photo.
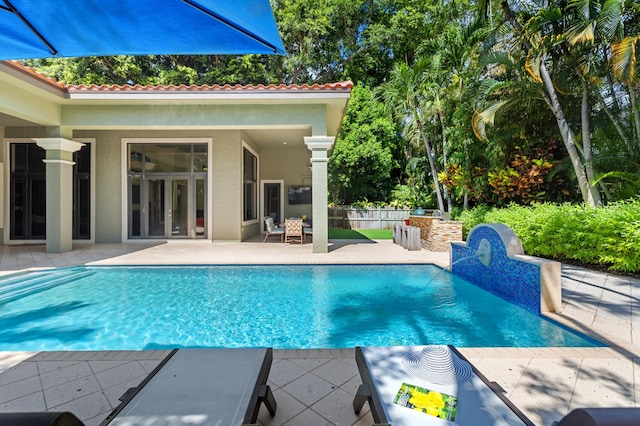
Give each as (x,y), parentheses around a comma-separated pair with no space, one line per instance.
(316,387)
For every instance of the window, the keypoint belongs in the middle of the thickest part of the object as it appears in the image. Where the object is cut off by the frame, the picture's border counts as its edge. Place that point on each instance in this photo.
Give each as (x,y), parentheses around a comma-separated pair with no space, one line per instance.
(28,185)
(250,185)
(82,193)
(28,192)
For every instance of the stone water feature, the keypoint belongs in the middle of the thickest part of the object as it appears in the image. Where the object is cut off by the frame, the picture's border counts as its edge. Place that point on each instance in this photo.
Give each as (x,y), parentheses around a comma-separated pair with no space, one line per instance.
(493,259)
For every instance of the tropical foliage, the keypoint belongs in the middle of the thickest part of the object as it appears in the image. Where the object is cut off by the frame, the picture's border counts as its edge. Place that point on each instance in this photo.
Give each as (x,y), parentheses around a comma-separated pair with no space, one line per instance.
(363,164)
(456,102)
(608,236)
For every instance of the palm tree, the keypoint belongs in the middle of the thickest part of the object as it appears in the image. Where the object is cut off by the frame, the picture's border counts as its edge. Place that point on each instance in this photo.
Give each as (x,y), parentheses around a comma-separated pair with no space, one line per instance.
(404,95)
(435,108)
(590,27)
(535,38)
(458,47)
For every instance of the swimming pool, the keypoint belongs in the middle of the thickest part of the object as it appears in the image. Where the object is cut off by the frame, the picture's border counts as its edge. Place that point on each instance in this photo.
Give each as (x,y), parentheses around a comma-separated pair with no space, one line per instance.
(293,306)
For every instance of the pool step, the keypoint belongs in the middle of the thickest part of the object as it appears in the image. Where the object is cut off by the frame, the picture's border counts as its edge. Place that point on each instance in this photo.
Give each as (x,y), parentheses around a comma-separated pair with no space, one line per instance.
(23,285)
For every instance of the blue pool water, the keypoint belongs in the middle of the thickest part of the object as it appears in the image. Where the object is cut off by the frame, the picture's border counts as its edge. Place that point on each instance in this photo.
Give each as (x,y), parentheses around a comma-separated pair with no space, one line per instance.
(302,306)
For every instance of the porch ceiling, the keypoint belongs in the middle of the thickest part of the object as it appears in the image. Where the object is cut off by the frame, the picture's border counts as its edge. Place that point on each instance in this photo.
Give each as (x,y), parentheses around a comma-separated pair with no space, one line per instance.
(272,138)
(10,121)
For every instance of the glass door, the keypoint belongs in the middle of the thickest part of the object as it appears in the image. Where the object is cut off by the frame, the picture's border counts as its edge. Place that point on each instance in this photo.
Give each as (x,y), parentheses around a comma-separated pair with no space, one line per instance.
(156,207)
(272,201)
(179,208)
(201,202)
(29,208)
(167,190)
(167,207)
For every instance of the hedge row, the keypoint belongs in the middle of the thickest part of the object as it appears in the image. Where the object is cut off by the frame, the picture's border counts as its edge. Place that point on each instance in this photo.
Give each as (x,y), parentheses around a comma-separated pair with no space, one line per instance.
(608,236)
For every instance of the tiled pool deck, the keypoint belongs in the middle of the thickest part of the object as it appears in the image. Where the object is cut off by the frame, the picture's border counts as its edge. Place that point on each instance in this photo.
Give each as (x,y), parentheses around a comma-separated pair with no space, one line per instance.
(316,387)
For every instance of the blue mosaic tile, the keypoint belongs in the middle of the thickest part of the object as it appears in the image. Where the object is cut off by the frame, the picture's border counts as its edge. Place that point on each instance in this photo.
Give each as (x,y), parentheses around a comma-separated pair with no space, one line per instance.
(514,280)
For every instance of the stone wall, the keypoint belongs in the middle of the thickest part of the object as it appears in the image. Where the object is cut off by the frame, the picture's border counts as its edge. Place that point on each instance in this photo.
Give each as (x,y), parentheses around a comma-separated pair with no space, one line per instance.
(437,234)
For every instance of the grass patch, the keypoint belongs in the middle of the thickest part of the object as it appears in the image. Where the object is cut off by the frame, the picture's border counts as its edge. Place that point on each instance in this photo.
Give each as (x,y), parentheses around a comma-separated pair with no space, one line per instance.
(362,234)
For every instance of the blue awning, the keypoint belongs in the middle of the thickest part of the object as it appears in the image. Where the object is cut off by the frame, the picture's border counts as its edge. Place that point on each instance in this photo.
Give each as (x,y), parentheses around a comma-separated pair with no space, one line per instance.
(73,28)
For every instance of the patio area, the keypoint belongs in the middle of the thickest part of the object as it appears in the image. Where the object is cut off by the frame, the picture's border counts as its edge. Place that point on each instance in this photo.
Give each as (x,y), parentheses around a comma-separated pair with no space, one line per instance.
(316,387)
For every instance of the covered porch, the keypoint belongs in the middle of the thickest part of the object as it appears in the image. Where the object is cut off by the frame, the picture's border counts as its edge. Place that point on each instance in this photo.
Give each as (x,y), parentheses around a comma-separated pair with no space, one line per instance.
(119,164)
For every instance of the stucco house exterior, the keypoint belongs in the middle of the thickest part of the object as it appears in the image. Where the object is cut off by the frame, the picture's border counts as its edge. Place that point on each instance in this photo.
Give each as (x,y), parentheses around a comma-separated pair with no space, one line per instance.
(105,164)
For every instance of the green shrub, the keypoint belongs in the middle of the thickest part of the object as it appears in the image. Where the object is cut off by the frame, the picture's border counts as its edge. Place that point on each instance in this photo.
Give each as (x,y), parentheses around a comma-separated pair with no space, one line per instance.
(471,218)
(608,236)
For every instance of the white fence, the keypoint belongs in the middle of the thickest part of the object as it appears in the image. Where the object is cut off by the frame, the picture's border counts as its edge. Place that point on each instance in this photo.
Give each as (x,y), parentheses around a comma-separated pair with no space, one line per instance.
(347,217)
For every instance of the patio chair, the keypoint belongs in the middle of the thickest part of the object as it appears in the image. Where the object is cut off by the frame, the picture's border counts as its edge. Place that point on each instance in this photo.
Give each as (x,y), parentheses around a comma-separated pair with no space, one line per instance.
(272,229)
(307,231)
(393,375)
(293,231)
(201,386)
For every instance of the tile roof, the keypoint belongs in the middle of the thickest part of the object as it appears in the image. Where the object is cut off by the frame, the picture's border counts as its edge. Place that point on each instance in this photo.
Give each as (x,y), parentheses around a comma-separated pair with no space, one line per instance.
(82,88)
(207,87)
(33,73)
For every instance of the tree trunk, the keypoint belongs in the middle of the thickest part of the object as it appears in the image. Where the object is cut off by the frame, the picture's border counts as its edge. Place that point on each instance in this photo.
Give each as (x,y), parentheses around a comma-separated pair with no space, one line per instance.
(636,116)
(432,164)
(447,195)
(586,144)
(465,202)
(567,138)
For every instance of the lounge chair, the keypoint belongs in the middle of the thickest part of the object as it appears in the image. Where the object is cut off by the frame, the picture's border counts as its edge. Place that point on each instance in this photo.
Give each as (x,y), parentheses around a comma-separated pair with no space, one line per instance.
(271,229)
(190,386)
(400,373)
(201,386)
(40,419)
(610,416)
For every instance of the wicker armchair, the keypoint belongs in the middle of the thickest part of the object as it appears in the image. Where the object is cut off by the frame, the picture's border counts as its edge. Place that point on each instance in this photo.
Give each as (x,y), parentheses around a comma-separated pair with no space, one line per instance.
(293,231)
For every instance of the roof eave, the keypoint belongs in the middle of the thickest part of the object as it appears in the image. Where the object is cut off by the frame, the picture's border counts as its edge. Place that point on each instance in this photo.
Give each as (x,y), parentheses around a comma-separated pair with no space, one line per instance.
(207,96)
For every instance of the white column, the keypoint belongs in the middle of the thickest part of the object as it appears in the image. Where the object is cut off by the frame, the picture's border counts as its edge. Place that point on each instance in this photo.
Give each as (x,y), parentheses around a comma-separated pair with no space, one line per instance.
(59,161)
(319,147)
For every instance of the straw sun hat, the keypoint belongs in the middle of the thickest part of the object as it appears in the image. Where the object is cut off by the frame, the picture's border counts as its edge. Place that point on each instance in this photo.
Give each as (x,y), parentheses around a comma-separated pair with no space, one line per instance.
(437,364)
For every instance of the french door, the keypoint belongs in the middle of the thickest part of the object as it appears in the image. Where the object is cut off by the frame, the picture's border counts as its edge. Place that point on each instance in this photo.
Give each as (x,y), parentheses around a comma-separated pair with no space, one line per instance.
(167,207)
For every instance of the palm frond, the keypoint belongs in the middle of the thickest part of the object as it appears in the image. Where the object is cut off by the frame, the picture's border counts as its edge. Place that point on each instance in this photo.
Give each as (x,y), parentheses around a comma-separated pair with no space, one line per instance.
(623,58)
(481,119)
(582,8)
(532,65)
(490,86)
(539,23)
(581,34)
(610,18)
(623,184)
(498,57)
